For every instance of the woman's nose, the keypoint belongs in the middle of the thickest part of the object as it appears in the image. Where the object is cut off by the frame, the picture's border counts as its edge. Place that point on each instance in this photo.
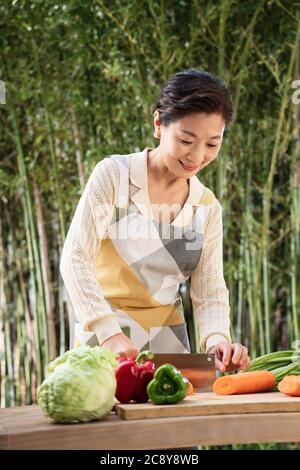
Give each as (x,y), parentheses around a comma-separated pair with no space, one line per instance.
(195,161)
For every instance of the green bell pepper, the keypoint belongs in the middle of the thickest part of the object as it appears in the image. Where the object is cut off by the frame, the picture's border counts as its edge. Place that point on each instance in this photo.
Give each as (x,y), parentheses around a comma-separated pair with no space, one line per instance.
(167,386)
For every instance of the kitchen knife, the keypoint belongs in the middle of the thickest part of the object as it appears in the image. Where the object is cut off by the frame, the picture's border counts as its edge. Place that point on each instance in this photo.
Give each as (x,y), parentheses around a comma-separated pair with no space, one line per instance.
(199,368)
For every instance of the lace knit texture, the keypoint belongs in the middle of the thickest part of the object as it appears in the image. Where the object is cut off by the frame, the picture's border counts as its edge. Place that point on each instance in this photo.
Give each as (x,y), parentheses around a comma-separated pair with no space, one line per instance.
(209,294)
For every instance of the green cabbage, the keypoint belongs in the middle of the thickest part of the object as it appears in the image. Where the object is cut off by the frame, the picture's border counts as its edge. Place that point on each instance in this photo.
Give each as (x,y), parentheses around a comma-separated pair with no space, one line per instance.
(80,385)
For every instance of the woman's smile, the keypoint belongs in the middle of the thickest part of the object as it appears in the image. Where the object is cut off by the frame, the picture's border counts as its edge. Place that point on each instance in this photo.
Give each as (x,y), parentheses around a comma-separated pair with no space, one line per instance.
(188,167)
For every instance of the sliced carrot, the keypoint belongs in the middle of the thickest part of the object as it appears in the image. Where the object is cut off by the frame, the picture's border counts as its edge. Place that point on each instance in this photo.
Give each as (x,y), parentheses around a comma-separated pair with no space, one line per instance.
(190,390)
(244,382)
(290,385)
(189,386)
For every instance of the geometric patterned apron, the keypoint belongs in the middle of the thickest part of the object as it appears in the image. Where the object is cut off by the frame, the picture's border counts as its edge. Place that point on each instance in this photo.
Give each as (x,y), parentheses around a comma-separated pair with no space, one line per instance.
(140,265)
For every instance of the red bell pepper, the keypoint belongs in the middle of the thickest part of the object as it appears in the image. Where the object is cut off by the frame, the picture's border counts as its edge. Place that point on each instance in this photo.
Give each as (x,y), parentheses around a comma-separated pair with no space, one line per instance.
(133,376)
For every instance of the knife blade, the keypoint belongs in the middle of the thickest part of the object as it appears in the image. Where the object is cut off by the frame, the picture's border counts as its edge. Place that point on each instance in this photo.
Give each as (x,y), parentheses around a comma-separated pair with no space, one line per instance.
(199,368)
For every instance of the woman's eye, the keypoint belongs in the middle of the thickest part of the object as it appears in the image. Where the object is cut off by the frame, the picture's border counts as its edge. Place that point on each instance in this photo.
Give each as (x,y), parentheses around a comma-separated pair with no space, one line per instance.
(185,142)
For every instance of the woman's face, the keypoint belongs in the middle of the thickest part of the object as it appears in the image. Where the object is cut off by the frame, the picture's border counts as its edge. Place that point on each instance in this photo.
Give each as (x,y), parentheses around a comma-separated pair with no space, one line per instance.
(194,140)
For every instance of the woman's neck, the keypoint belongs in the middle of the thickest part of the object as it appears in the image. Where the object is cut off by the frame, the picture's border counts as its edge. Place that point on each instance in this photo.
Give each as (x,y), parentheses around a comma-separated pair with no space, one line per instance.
(161,175)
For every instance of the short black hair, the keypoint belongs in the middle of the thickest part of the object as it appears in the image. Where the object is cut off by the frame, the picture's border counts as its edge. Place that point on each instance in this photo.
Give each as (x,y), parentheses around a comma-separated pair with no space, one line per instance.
(191,91)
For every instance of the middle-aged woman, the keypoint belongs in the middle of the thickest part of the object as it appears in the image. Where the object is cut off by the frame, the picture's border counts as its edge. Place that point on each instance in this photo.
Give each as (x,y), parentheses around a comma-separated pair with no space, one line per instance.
(145,223)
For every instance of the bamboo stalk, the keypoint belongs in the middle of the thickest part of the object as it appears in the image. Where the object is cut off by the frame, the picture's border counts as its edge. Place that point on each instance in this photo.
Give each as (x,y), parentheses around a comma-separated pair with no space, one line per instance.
(30,348)
(45,269)
(78,148)
(10,396)
(295,211)
(249,282)
(240,290)
(2,322)
(241,62)
(55,163)
(267,190)
(266,305)
(34,259)
(18,346)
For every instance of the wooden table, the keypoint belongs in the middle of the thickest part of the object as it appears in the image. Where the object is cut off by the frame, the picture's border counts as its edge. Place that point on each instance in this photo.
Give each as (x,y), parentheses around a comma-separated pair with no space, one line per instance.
(26,428)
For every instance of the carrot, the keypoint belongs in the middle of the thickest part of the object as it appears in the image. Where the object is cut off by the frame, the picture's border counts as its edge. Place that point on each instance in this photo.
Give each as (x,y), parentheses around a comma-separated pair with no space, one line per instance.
(244,382)
(290,385)
(189,386)
(190,390)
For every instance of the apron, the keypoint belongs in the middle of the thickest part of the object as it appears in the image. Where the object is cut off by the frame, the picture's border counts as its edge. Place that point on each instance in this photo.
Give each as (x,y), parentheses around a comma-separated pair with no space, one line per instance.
(140,266)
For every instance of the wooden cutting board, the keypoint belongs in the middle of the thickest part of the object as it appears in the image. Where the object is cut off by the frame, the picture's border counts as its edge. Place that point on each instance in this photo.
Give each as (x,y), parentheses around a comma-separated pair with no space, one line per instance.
(209,403)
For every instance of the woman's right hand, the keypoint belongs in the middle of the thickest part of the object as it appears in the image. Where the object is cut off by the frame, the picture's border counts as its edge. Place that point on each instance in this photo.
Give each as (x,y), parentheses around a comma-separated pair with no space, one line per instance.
(121,345)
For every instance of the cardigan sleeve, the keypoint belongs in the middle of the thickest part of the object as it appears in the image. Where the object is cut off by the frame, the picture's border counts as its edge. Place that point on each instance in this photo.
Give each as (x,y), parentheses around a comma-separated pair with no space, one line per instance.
(208,290)
(77,264)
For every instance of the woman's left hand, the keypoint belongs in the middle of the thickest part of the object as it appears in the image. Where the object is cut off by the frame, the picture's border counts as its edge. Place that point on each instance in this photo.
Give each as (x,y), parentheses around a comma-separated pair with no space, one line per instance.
(230,356)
